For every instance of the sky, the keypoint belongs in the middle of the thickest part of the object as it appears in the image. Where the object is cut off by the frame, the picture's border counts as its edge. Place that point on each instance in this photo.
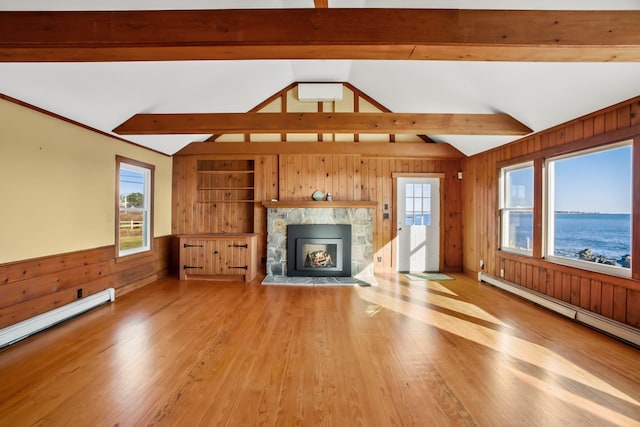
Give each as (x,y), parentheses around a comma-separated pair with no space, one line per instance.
(595,182)
(131,182)
(598,182)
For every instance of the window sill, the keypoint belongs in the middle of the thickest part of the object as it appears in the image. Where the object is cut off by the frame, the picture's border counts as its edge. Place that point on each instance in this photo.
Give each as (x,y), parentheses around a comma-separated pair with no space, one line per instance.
(591,266)
(517,252)
(134,256)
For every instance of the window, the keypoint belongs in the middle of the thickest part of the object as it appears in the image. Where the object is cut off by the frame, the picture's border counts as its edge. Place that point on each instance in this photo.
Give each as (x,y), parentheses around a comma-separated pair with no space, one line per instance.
(589,209)
(516,208)
(134,210)
(418,204)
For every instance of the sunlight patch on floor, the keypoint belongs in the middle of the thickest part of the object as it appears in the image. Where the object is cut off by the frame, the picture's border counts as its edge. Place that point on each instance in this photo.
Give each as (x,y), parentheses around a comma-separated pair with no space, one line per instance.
(448,303)
(586,405)
(501,342)
(436,286)
(132,367)
(372,310)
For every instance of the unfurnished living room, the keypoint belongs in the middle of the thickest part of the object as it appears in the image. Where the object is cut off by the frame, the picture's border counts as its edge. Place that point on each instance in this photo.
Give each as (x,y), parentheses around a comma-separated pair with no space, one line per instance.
(327,212)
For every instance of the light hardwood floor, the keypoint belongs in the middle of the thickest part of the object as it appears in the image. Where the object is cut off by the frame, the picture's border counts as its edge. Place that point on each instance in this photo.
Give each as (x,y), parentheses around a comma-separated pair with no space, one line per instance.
(448,353)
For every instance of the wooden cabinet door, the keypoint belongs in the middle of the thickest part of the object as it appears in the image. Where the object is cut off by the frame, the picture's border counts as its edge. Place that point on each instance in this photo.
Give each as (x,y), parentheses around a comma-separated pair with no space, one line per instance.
(211,258)
(202,257)
(217,256)
(194,256)
(235,256)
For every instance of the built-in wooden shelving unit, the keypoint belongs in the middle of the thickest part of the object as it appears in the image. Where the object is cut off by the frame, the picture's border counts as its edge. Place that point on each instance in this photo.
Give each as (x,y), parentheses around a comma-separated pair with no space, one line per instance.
(228,183)
(225,185)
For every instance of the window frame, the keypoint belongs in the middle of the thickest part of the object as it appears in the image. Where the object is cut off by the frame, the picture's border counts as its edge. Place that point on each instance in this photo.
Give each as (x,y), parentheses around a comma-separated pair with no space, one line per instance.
(502,209)
(549,210)
(149,173)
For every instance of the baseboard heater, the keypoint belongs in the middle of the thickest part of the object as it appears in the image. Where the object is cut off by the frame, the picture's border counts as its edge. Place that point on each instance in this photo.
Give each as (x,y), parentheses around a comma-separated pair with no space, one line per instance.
(21,330)
(604,324)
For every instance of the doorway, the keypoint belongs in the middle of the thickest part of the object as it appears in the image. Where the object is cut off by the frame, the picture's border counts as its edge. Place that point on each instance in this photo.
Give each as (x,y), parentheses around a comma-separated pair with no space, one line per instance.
(418,224)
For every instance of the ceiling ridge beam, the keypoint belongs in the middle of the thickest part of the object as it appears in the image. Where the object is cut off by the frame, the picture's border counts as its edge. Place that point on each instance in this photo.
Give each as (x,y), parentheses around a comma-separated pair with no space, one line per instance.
(321,33)
(380,123)
(364,149)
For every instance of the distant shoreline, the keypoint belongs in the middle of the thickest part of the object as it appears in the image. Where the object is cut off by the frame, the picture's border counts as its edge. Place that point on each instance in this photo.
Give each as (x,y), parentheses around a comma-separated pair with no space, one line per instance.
(590,213)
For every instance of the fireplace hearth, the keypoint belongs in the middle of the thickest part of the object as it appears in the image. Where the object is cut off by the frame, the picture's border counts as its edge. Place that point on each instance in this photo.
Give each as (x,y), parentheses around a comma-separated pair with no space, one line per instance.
(319,250)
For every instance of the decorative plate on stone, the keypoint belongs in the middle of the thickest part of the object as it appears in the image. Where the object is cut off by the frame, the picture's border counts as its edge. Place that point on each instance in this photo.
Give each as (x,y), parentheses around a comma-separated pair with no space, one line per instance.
(317,195)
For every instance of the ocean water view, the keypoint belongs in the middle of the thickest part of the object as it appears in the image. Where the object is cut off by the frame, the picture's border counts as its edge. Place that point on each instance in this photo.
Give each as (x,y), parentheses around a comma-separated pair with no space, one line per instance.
(608,235)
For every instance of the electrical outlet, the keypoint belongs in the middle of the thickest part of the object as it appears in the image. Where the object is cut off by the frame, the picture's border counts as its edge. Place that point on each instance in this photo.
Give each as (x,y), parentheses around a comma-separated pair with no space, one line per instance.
(481,264)
(379,259)
(502,272)
(79,293)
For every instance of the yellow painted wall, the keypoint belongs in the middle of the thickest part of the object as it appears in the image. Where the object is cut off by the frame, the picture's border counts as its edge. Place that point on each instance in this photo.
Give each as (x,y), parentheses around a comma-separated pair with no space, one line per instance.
(57,185)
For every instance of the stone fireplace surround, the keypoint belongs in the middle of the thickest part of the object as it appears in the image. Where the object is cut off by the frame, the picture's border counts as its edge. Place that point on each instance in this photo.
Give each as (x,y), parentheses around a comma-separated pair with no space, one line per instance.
(359,214)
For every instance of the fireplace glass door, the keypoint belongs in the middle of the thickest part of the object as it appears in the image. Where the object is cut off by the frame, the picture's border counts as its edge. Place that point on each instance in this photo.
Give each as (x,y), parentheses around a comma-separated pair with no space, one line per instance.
(319,250)
(319,254)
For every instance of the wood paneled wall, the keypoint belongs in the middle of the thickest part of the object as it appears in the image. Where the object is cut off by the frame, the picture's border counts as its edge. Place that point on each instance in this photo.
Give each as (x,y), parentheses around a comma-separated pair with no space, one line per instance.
(32,287)
(614,297)
(346,176)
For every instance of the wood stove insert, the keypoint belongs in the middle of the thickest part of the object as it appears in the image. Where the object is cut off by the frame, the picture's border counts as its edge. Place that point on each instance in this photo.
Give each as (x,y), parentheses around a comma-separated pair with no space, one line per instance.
(319,250)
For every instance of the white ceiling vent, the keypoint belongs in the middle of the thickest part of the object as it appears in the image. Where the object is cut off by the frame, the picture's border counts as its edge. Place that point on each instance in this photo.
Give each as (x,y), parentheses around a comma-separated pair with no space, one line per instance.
(316,92)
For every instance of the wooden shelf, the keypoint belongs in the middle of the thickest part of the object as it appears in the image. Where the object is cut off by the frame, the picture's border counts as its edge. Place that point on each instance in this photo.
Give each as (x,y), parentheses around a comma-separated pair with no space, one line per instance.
(225,201)
(224,172)
(287,204)
(225,188)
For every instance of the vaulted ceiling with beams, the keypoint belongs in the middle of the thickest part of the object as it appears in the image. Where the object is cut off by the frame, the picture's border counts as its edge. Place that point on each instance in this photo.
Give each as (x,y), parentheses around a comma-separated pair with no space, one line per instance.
(536,65)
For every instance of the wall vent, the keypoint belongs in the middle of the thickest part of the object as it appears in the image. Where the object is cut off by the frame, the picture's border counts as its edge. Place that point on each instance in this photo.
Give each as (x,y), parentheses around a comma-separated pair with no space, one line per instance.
(319,92)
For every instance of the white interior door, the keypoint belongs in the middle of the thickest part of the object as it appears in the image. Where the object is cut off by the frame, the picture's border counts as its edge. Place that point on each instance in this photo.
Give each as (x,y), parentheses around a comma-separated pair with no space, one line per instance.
(418,214)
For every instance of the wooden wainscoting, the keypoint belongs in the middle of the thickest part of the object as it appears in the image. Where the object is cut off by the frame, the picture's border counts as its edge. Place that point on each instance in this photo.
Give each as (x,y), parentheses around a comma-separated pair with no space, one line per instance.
(35,286)
(614,297)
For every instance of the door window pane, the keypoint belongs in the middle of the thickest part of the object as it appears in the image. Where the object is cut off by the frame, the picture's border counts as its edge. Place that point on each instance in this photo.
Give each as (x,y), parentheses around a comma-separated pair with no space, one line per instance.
(426,190)
(418,204)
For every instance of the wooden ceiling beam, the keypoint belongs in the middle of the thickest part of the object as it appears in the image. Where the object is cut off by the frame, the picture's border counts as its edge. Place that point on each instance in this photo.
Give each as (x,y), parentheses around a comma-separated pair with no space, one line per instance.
(321,33)
(391,123)
(364,149)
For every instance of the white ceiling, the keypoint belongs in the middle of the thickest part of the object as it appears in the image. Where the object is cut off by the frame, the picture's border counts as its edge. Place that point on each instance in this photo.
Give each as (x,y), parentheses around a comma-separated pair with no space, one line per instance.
(103,95)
